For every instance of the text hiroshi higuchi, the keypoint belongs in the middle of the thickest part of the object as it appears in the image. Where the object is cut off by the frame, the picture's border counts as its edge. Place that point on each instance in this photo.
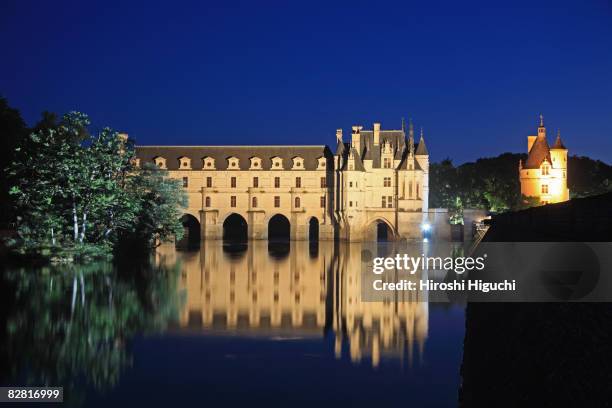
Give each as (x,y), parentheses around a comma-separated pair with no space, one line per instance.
(412,264)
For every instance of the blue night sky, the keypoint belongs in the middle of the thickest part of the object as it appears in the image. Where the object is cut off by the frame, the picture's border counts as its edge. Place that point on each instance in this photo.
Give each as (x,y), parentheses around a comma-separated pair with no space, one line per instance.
(475,76)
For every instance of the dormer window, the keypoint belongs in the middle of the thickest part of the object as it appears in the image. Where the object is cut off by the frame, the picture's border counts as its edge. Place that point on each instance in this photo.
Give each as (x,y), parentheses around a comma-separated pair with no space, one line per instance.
(321,163)
(208,163)
(255,163)
(545,169)
(160,162)
(298,163)
(233,163)
(184,163)
(277,163)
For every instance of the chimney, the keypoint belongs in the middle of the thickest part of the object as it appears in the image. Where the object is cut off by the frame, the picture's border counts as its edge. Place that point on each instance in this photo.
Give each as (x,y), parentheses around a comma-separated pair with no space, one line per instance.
(356,138)
(339,135)
(530,140)
(376,133)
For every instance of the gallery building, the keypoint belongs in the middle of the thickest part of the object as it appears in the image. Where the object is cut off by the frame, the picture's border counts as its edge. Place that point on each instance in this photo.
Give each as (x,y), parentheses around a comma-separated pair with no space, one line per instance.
(375,185)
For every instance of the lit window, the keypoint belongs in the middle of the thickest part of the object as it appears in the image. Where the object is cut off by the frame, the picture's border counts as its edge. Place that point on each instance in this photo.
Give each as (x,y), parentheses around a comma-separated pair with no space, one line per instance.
(544,188)
(545,169)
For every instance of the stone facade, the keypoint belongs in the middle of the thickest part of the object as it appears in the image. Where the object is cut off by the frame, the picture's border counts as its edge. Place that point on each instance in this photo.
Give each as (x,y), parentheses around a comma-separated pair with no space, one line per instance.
(379,177)
(544,173)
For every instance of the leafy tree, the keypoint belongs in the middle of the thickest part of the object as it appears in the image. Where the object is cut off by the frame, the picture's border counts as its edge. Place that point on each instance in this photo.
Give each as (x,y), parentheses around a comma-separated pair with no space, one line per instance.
(158,199)
(83,194)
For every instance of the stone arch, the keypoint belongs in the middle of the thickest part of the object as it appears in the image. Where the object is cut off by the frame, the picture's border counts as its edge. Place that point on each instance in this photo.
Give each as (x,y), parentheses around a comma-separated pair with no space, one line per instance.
(279,228)
(313,229)
(381,230)
(235,228)
(191,231)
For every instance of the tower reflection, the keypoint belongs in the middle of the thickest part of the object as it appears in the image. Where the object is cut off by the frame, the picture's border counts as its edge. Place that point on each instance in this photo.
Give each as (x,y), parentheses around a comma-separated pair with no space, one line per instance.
(299,291)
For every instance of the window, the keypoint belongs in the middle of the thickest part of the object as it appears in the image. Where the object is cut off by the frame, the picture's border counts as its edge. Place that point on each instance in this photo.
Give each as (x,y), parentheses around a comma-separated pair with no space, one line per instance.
(233,182)
(233,201)
(350,184)
(276,201)
(384,202)
(255,181)
(209,182)
(298,182)
(207,202)
(322,201)
(389,202)
(185,181)
(350,203)
(254,202)
(417,190)
(544,188)
(323,182)
(545,169)
(387,163)
(297,202)
(387,182)
(276,182)
(410,189)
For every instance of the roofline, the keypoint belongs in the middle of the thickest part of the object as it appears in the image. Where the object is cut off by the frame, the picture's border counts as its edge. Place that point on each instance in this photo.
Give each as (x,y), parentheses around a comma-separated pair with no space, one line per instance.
(247,146)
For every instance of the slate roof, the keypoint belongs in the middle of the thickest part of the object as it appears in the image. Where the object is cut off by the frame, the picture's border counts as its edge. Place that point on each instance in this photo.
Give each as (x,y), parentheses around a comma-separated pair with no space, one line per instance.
(538,153)
(310,154)
(559,144)
(421,149)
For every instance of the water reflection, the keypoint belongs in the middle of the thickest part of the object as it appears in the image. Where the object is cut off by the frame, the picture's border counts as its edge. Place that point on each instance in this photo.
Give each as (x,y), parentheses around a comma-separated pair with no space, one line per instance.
(298,289)
(75,326)
(70,325)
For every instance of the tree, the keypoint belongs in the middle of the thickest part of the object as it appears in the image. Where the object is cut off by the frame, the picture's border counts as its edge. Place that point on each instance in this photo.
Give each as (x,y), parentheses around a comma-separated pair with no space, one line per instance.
(80,191)
(159,200)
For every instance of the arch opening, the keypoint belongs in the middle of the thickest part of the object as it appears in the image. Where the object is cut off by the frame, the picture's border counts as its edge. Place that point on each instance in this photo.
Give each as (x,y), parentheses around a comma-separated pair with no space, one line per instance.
(313,230)
(191,232)
(279,229)
(235,229)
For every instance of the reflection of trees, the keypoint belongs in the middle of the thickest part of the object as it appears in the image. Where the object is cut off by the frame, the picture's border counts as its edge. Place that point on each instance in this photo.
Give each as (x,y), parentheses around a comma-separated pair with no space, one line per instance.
(71,324)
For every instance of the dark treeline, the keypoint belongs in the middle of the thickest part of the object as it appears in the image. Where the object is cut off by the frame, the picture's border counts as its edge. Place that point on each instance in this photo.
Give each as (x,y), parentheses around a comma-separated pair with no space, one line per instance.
(493,183)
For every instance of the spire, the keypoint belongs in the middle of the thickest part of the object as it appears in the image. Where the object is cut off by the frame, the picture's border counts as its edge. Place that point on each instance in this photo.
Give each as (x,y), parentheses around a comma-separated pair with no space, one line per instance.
(403,125)
(421,148)
(411,138)
(541,120)
(558,143)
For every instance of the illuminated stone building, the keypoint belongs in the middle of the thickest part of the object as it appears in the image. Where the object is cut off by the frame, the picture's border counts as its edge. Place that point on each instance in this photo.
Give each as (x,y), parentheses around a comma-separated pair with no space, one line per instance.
(544,173)
(375,184)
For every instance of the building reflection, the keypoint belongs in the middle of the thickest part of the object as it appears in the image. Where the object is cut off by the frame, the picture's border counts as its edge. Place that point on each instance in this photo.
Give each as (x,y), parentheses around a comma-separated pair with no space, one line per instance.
(297,291)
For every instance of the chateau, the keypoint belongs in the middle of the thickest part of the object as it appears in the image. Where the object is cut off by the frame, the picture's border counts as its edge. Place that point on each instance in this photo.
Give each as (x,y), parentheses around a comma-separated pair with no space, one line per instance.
(374,186)
(544,173)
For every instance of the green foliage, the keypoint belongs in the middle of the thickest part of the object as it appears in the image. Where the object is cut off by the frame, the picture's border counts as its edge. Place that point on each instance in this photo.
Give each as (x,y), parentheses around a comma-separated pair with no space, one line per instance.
(456,212)
(78,194)
(159,200)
